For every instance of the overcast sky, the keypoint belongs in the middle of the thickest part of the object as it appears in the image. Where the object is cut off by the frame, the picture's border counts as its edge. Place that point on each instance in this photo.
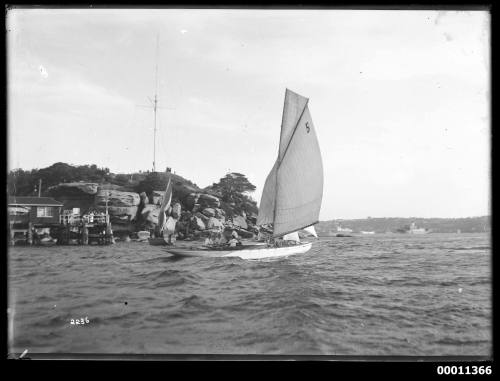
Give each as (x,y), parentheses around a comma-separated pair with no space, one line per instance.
(399,99)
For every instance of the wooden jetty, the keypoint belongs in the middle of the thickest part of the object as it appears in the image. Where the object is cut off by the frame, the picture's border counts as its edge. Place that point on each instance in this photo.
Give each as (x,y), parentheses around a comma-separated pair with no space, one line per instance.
(84,230)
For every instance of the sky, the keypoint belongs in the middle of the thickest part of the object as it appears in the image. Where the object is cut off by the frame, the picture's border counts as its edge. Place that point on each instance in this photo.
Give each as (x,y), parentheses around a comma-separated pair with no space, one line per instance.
(399,99)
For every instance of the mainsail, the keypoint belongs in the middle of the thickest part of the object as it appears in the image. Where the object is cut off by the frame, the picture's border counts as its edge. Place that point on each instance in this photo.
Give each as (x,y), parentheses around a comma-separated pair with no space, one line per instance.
(293,190)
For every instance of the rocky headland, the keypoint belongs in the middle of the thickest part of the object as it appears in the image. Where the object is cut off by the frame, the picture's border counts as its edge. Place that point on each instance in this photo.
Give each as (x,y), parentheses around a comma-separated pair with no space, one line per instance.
(194,211)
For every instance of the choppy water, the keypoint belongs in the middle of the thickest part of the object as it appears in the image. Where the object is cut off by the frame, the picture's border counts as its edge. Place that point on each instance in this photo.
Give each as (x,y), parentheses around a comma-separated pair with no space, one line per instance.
(370,295)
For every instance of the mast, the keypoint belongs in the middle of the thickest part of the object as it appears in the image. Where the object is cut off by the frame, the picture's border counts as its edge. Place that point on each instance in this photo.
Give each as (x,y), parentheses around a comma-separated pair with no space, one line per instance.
(155,102)
(278,165)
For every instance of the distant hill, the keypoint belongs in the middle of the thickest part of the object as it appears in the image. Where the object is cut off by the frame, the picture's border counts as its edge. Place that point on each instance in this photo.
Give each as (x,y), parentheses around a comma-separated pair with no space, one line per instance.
(392,224)
(25,182)
(66,181)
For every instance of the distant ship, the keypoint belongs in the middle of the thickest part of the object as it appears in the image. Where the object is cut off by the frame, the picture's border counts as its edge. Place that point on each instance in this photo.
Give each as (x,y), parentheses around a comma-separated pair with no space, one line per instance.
(340,229)
(365,232)
(415,230)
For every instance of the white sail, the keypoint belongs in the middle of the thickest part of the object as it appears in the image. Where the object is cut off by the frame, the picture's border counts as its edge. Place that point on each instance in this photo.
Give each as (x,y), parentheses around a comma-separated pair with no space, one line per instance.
(292,237)
(266,207)
(293,191)
(292,111)
(311,230)
(167,198)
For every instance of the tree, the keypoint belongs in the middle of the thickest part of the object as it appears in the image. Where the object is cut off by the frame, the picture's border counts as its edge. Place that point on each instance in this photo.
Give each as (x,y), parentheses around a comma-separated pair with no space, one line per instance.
(156,181)
(153,181)
(121,179)
(232,186)
(23,183)
(233,190)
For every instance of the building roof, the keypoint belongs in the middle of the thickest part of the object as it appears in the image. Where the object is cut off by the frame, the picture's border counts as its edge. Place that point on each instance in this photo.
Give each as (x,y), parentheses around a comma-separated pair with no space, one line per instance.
(42,201)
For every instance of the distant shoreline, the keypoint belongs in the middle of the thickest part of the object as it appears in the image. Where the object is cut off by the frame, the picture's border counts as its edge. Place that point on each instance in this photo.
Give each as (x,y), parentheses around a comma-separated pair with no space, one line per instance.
(480,224)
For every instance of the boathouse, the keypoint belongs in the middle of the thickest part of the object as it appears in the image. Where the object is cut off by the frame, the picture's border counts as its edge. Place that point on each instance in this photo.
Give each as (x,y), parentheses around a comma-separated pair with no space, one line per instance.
(29,214)
(34,210)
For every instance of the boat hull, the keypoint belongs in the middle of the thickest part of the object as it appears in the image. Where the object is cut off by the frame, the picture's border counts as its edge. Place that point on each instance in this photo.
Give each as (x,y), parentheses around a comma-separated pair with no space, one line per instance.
(253,252)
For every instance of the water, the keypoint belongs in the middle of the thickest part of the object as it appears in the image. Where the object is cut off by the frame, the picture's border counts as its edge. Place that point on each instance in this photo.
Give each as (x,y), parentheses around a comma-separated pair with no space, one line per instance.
(372,295)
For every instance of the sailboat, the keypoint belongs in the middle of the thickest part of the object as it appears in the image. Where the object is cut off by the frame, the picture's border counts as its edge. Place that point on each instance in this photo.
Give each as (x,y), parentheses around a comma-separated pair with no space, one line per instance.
(164,224)
(293,190)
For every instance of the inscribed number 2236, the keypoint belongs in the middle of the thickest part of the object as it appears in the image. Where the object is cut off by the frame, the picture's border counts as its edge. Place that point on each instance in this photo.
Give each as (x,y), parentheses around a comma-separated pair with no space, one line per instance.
(80,321)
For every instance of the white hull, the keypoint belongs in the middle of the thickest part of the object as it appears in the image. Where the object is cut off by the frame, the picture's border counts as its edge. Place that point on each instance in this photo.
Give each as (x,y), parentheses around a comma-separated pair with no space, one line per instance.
(255,252)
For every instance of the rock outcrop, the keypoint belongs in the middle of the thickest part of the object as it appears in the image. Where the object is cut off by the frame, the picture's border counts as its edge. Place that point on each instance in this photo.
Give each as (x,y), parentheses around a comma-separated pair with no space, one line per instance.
(202,217)
(122,206)
(76,188)
(240,222)
(116,198)
(157,197)
(75,195)
(214,223)
(197,223)
(204,200)
(192,214)
(149,216)
(208,201)
(209,212)
(191,200)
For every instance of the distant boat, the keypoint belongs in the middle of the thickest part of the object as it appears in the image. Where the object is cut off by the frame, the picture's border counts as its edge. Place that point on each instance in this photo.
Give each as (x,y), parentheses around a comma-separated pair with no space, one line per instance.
(365,232)
(293,191)
(340,229)
(415,230)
